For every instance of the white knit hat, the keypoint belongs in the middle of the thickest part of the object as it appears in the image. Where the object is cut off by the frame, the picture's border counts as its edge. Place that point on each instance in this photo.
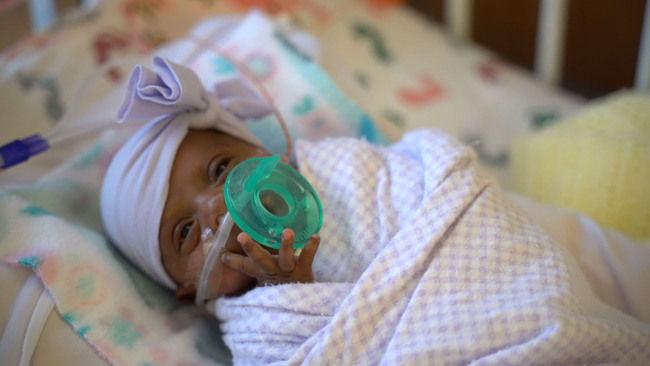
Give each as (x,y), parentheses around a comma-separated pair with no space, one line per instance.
(136,184)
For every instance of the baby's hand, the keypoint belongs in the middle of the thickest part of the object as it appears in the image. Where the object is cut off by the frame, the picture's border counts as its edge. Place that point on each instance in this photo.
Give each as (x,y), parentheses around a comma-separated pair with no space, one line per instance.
(271,269)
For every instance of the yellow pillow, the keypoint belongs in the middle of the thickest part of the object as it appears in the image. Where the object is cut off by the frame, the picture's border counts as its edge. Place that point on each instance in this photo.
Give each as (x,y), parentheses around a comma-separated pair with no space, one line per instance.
(596,162)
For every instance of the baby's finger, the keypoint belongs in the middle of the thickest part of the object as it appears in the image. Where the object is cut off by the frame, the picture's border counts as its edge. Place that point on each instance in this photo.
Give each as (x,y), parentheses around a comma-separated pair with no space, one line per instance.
(308,253)
(255,252)
(286,262)
(240,263)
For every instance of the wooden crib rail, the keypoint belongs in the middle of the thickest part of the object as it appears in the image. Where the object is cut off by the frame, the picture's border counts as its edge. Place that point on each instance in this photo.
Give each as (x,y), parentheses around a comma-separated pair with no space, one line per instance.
(550,40)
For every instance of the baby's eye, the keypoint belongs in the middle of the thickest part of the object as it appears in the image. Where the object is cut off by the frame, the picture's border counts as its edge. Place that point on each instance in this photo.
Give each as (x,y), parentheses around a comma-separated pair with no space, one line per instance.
(217,169)
(185,231)
(183,235)
(221,168)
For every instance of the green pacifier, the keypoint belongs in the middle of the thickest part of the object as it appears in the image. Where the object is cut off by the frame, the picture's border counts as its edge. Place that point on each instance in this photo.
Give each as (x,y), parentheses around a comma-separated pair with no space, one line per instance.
(265,196)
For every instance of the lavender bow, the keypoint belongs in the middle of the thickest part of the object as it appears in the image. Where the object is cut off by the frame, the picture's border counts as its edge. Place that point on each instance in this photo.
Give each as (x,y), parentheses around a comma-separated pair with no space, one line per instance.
(171,88)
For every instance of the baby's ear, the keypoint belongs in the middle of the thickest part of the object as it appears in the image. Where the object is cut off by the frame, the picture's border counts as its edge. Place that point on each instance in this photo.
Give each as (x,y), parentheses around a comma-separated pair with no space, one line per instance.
(185,293)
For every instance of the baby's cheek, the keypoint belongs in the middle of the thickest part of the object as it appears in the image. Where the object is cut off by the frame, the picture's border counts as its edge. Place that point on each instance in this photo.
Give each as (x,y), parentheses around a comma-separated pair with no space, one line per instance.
(194,265)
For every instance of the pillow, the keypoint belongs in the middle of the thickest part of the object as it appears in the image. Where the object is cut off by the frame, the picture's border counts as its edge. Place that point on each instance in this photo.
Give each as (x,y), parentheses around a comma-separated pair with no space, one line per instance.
(596,162)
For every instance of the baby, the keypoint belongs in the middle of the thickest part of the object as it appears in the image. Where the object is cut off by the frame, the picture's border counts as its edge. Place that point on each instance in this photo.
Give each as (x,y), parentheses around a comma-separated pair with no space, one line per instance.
(195,203)
(205,135)
(423,257)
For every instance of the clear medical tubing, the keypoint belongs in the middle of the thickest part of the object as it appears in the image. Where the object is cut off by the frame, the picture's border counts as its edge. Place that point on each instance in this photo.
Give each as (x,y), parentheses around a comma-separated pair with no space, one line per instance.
(21,150)
(18,151)
(207,280)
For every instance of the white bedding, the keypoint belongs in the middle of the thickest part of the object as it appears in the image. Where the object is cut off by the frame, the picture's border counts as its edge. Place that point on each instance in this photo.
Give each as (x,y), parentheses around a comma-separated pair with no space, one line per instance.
(616,267)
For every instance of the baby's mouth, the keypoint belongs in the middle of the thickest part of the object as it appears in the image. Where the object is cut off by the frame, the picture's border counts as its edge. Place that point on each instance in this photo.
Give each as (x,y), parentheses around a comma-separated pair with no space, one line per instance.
(231,245)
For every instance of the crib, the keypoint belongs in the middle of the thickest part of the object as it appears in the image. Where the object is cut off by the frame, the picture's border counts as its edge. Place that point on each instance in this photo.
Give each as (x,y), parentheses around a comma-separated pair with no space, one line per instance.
(366,46)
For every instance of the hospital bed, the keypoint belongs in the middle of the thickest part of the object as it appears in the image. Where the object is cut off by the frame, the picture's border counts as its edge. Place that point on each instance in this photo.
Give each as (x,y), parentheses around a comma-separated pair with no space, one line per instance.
(401,68)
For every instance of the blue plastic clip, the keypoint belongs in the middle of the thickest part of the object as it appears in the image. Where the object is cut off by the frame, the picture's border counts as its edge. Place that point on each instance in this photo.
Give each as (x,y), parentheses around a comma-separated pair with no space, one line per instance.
(18,151)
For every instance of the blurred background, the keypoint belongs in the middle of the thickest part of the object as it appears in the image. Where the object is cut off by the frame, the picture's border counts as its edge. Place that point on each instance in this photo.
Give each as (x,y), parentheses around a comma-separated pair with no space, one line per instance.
(602,36)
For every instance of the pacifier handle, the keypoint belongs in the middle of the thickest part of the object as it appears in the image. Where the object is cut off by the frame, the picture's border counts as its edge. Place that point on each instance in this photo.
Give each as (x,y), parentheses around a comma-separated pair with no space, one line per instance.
(263,170)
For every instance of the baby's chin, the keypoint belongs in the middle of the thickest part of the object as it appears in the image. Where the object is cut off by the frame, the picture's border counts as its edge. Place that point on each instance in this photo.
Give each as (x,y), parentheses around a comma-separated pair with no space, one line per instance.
(234,282)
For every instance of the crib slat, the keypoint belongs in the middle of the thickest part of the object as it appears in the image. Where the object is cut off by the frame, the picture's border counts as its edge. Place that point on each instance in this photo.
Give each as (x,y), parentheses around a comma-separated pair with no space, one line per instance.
(642,79)
(42,14)
(549,49)
(458,14)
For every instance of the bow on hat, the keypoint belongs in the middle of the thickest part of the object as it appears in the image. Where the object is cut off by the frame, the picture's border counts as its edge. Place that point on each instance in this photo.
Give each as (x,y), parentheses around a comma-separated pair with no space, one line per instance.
(173,89)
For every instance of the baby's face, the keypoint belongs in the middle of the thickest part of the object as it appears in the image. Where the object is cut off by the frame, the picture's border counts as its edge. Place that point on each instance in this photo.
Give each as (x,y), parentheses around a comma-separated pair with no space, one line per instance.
(195,203)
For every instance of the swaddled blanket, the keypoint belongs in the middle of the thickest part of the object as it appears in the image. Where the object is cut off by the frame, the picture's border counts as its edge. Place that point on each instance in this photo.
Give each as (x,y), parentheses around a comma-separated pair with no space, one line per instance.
(423,261)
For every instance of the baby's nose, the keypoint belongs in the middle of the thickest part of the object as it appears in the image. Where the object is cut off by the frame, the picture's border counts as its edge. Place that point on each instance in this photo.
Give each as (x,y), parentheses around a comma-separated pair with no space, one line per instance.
(211,206)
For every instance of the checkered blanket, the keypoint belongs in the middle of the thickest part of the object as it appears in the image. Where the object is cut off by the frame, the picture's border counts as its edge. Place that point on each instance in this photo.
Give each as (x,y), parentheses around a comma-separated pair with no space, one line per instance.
(423,260)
